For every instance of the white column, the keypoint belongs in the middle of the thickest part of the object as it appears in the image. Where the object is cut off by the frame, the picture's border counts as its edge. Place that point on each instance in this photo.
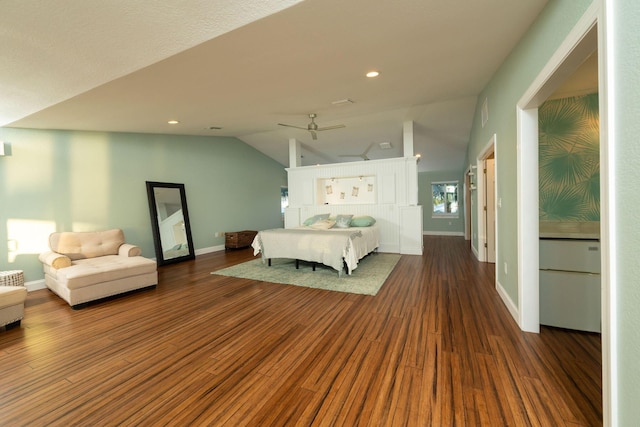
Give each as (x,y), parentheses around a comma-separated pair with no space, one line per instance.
(295,158)
(407,138)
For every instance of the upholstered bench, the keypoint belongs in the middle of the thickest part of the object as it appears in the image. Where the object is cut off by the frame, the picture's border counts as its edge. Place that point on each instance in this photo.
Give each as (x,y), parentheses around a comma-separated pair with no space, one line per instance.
(87,266)
(12,305)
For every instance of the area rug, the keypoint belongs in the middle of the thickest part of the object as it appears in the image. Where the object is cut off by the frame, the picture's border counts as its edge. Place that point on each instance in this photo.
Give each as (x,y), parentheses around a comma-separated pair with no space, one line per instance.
(367,279)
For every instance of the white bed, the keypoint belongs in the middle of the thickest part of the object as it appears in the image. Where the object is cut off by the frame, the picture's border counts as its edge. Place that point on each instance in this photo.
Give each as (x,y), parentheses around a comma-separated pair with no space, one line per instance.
(334,247)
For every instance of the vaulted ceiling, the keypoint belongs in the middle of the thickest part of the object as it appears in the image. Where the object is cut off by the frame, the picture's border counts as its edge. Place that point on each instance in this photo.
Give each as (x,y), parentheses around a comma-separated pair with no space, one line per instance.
(245,66)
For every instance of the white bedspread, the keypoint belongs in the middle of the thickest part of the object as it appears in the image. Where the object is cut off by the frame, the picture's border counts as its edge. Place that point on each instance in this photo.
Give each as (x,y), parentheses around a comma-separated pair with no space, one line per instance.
(329,247)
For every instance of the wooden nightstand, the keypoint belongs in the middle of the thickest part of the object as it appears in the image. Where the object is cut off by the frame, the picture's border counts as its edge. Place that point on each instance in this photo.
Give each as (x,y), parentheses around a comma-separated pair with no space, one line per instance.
(239,239)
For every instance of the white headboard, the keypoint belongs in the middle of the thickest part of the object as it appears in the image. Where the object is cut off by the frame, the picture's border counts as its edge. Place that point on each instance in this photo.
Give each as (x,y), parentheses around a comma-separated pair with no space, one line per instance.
(395,207)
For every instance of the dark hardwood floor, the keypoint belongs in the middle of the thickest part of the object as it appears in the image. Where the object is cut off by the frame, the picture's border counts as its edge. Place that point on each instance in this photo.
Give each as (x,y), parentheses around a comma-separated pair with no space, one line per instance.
(435,347)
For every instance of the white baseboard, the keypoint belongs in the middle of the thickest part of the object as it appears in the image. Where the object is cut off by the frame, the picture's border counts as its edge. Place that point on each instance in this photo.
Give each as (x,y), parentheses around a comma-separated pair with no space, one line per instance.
(475,252)
(443,233)
(35,285)
(513,309)
(209,250)
(389,248)
(412,251)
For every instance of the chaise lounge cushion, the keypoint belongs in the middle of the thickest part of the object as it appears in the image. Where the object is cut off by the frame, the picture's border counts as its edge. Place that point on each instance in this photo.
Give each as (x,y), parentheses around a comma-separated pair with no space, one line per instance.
(87,244)
(86,272)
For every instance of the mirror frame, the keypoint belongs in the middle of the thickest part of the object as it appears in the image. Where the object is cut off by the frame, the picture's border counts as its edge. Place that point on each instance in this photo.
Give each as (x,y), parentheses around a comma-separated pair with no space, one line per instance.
(153,213)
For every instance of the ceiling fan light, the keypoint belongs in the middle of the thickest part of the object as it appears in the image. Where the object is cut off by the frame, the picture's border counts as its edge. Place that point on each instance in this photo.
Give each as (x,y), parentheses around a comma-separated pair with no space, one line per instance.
(373,73)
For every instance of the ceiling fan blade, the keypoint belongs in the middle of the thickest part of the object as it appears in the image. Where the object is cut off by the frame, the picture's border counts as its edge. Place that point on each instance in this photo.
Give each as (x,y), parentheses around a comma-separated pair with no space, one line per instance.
(313,135)
(367,150)
(330,127)
(292,126)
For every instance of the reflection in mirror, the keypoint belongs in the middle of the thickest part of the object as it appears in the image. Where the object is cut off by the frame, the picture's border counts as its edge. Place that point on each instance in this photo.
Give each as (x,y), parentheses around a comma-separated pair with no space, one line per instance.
(170,222)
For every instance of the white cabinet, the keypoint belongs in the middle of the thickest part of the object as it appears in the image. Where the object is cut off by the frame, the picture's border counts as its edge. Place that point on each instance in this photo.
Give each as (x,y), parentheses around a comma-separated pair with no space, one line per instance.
(570,285)
(291,217)
(411,230)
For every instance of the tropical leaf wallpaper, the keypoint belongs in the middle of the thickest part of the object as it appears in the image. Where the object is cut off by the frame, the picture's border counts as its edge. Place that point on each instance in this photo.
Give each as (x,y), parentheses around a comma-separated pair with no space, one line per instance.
(569,159)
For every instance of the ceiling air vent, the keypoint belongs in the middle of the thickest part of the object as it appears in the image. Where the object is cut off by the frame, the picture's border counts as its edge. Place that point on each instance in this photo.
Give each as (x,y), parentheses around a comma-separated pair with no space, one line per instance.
(385,145)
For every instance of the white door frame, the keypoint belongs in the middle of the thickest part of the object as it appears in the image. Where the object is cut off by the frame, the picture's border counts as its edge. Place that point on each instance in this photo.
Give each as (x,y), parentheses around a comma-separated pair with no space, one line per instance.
(467,204)
(492,203)
(480,197)
(588,32)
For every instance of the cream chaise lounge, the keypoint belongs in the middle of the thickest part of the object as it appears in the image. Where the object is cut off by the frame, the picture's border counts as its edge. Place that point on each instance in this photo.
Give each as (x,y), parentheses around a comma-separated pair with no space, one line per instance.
(12,305)
(87,266)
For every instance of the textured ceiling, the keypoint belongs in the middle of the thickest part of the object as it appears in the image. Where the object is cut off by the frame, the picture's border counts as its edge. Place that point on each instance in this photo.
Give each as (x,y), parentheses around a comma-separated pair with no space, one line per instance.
(247,66)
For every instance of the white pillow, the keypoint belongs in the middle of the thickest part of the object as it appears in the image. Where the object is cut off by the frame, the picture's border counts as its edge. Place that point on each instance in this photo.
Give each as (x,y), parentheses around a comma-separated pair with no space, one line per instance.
(323,224)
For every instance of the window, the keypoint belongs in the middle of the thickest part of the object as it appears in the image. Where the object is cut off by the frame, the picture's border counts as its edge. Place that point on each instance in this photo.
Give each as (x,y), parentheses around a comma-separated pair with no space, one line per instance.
(445,199)
(284,199)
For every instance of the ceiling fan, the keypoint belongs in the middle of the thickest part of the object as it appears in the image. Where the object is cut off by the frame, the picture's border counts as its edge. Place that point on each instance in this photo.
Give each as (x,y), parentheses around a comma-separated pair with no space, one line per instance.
(363,156)
(313,127)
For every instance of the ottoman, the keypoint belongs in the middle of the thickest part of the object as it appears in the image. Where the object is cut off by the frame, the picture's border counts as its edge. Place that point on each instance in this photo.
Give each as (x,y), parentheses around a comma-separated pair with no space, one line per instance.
(12,305)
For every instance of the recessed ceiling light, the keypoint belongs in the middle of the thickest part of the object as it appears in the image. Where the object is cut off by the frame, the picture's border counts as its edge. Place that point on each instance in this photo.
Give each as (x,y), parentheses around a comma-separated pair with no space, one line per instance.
(173,122)
(372,74)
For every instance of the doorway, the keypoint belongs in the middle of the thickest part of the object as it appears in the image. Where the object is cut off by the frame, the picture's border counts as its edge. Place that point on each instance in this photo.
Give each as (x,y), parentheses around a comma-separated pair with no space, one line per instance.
(585,38)
(490,203)
(467,204)
(578,49)
(486,202)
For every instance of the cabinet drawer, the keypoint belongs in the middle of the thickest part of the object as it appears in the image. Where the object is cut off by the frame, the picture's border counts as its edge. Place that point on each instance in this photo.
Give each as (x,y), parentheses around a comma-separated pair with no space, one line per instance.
(570,255)
(570,300)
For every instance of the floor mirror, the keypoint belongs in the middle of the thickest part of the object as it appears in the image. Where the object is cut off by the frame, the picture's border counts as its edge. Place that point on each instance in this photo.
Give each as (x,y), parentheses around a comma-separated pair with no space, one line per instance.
(170,222)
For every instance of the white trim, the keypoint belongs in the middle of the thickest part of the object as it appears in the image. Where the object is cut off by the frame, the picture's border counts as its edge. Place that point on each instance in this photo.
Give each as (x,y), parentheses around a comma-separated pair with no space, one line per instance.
(35,285)
(209,250)
(442,233)
(508,302)
(475,252)
(466,205)
(480,190)
(481,229)
(608,229)
(528,221)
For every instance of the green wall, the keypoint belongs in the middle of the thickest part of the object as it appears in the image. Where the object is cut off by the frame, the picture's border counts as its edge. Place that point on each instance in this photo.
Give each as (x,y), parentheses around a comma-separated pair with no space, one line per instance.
(569,159)
(440,225)
(503,92)
(68,180)
(621,268)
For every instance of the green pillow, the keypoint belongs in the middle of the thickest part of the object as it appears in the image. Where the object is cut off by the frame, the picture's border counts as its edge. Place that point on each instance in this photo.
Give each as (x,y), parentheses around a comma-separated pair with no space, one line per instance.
(362,221)
(315,219)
